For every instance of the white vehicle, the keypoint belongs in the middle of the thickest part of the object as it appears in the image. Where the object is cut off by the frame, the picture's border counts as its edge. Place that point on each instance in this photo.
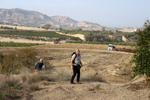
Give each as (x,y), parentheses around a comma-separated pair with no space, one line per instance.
(111,47)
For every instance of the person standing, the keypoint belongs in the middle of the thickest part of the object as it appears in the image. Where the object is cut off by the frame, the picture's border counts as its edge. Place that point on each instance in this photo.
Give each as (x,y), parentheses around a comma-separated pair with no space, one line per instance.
(76,66)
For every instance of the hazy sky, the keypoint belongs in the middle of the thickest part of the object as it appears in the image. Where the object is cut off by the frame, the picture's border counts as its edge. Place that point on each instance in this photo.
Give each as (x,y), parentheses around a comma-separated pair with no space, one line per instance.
(114,13)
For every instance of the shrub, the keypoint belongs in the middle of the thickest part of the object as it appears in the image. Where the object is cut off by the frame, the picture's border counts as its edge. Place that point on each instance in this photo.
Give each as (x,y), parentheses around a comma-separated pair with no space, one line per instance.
(10,89)
(24,79)
(9,63)
(37,78)
(34,78)
(34,87)
(14,61)
(60,75)
(91,77)
(141,57)
(1,60)
(27,57)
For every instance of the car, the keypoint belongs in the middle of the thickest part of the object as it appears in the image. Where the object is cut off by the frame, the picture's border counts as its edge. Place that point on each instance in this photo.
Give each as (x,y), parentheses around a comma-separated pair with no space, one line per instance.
(111,47)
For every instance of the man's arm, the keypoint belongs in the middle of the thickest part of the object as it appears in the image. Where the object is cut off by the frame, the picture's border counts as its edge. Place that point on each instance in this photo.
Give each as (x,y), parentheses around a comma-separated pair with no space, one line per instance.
(71,62)
(81,64)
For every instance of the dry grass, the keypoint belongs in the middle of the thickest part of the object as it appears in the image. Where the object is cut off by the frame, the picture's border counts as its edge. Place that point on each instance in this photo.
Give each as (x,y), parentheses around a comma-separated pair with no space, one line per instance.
(64,74)
(10,89)
(34,87)
(92,78)
(15,86)
(35,78)
(60,75)
(16,60)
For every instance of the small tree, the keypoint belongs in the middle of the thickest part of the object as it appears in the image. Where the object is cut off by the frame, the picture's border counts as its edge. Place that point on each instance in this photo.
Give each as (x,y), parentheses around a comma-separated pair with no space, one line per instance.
(103,29)
(142,55)
(47,26)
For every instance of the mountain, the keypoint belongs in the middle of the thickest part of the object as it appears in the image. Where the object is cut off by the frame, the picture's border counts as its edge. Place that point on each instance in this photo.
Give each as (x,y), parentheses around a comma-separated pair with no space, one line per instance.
(23,17)
(64,22)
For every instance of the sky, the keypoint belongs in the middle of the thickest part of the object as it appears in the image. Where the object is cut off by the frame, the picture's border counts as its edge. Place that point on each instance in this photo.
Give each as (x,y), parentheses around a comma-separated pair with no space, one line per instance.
(111,13)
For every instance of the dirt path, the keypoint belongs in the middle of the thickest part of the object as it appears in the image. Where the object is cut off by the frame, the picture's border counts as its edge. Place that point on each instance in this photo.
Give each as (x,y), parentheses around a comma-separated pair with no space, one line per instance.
(89,91)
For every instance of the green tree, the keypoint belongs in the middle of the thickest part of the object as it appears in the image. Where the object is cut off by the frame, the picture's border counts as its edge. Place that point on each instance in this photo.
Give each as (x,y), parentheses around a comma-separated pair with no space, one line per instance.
(15,28)
(47,26)
(103,28)
(142,55)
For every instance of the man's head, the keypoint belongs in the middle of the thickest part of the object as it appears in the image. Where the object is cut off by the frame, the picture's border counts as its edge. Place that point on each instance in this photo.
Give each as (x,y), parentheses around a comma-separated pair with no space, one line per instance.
(41,60)
(77,51)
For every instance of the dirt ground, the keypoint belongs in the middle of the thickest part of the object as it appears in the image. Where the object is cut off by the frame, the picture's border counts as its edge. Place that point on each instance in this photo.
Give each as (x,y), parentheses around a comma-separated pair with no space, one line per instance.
(113,67)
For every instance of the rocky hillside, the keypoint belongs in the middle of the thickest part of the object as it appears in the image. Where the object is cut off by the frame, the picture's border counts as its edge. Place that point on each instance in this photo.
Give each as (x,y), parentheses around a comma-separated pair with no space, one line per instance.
(23,17)
(32,18)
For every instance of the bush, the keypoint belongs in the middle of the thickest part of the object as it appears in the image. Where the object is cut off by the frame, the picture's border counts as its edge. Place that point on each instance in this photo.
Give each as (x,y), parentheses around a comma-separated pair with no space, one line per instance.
(141,57)
(27,57)
(10,89)
(60,75)
(14,61)
(9,63)
(91,77)
(35,78)
(34,87)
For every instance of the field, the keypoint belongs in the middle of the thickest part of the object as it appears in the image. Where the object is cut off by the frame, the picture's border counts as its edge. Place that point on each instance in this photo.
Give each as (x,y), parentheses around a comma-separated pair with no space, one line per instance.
(23,27)
(40,37)
(39,34)
(12,44)
(106,43)
(105,74)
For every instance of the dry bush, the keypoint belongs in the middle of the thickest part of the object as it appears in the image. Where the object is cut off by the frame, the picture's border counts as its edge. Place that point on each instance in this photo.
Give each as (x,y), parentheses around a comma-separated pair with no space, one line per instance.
(14,88)
(34,87)
(27,57)
(10,89)
(124,50)
(91,77)
(65,75)
(35,78)
(14,61)
(9,63)
(60,75)
(24,79)
(1,60)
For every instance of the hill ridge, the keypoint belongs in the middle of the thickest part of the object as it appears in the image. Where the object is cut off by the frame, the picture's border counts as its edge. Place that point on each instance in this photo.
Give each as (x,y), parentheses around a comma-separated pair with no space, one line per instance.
(19,16)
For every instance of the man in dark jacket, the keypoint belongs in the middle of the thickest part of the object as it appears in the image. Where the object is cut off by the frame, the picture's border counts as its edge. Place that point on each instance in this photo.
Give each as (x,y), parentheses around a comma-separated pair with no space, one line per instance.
(40,65)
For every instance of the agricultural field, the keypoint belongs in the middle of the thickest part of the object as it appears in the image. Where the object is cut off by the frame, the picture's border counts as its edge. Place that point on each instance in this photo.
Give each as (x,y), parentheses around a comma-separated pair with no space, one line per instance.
(40,37)
(36,33)
(12,44)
